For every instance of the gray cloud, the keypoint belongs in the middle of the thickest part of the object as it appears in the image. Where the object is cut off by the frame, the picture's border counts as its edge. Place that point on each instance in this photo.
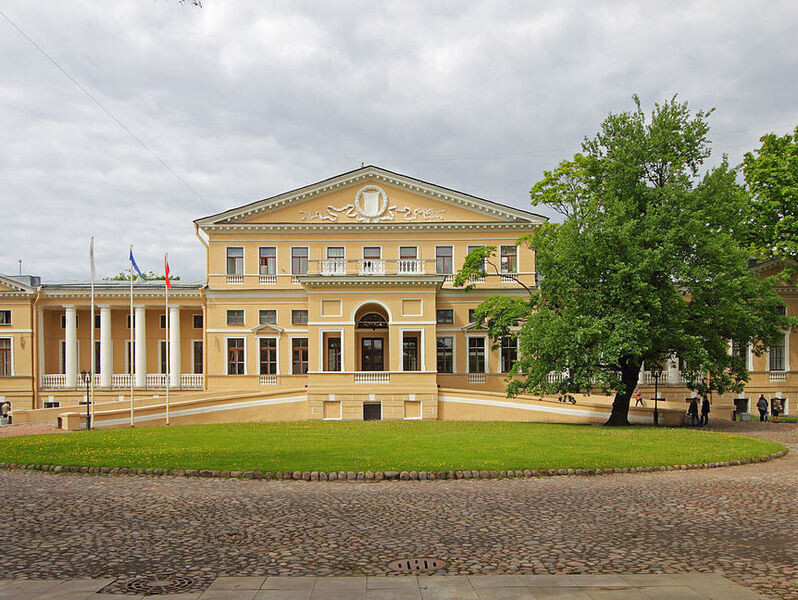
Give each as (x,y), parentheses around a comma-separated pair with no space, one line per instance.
(249,99)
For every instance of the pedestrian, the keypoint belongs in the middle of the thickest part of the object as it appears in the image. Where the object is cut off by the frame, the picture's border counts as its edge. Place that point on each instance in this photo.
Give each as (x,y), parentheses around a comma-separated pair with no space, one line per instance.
(638,398)
(693,411)
(775,408)
(762,406)
(5,408)
(704,412)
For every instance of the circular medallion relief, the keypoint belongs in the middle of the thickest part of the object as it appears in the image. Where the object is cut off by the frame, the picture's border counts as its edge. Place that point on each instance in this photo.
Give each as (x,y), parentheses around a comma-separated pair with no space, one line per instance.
(371,202)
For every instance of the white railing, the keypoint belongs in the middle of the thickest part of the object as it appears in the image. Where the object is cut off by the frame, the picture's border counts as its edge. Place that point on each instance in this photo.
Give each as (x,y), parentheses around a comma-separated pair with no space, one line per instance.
(477,378)
(556,376)
(191,381)
(372,377)
(295,278)
(449,278)
(508,278)
(268,379)
(371,267)
(476,279)
(409,266)
(121,380)
(53,380)
(268,280)
(235,280)
(332,266)
(155,380)
(778,376)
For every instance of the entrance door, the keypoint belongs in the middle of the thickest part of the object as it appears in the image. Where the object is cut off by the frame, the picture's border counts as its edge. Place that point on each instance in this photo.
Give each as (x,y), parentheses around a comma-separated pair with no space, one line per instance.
(372,412)
(372,354)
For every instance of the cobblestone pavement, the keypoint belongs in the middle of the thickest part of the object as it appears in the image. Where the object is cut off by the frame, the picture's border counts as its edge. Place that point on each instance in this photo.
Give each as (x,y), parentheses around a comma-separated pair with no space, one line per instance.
(741,521)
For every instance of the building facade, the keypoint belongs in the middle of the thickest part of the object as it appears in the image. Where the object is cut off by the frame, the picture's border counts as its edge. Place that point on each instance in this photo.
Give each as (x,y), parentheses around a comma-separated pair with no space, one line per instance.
(332,301)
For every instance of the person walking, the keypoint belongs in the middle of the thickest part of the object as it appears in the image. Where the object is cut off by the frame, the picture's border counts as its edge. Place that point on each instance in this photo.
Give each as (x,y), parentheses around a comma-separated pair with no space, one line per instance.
(638,397)
(704,412)
(762,406)
(775,409)
(693,411)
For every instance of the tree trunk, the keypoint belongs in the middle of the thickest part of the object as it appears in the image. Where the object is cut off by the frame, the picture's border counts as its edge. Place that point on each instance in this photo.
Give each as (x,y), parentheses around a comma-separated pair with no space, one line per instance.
(620,405)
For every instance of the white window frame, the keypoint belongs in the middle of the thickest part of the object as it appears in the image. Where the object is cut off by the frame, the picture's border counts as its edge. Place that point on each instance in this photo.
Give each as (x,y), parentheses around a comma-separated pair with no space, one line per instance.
(128,362)
(454,354)
(194,320)
(6,310)
(468,355)
(243,260)
(291,352)
(291,258)
(162,320)
(501,354)
(276,260)
(517,260)
(323,348)
(399,251)
(786,355)
(436,258)
(258,338)
(226,354)
(421,362)
(363,251)
(161,363)
(194,342)
(262,310)
(227,317)
(11,355)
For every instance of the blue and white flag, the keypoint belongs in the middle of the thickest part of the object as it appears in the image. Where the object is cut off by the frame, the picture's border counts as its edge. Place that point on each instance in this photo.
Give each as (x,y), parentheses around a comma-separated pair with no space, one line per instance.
(135,266)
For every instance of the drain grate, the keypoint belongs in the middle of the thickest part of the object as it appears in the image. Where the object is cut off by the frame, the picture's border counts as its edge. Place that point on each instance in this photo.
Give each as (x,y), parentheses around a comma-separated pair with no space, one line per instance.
(417,565)
(160,584)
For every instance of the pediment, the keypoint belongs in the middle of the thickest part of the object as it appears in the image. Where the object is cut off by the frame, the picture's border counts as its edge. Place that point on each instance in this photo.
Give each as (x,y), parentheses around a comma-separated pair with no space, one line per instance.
(10,285)
(371,195)
(267,328)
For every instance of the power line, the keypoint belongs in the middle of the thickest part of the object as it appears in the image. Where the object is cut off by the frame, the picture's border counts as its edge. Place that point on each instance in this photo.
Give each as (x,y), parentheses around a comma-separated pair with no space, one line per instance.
(104,109)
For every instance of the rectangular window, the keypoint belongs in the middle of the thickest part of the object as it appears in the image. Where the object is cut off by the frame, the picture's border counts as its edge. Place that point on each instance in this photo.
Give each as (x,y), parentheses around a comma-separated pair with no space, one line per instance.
(335,252)
(410,353)
(444,315)
(197,321)
(128,321)
(267,315)
(5,317)
(776,355)
(471,317)
(235,356)
(162,355)
(509,352)
(97,354)
(5,357)
(446,355)
(741,351)
(63,321)
(96,321)
(299,356)
(163,321)
(299,317)
(235,317)
(509,259)
(408,252)
(130,356)
(196,347)
(268,356)
(483,270)
(235,260)
(267,255)
(476,355)
(444,264)
(334,354)
(372,253)
(299,261)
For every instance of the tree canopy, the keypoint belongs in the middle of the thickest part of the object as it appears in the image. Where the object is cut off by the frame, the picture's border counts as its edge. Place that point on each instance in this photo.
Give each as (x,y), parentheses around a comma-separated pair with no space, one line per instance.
(649,263)
(148,276)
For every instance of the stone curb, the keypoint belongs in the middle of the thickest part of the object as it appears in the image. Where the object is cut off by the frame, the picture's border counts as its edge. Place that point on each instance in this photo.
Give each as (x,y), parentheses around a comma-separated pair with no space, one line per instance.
(381,475)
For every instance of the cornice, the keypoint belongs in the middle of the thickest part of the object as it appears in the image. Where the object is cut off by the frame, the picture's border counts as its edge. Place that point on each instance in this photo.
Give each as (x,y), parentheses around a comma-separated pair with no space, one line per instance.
(344,227)
(145,293)
(15,294)
(316,281)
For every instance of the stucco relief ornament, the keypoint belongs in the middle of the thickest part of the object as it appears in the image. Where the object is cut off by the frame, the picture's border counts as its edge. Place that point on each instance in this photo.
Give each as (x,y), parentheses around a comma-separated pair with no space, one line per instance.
(371,206)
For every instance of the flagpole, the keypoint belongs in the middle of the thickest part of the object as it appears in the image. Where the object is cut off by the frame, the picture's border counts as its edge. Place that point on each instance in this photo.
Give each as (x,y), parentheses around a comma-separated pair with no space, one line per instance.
(91,325)
(166,308)
(131,354)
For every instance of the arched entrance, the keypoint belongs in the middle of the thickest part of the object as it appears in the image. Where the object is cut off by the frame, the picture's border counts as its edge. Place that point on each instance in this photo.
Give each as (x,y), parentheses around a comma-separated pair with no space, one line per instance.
(371,337)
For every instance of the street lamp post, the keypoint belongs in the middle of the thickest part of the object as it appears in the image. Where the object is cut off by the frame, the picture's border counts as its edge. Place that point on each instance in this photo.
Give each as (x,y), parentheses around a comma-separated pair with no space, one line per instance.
(87,379)
(656,374)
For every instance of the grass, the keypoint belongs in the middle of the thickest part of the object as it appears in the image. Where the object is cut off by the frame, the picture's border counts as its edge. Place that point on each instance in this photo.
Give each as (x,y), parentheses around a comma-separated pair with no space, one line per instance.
(382,446)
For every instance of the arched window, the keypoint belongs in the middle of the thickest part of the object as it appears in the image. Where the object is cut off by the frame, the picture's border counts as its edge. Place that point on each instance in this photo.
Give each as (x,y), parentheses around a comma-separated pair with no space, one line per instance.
(372,321)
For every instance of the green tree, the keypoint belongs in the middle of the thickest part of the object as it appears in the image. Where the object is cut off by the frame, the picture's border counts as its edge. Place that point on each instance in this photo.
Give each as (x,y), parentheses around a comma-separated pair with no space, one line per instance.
(148,276)
(771,175)
(648,264)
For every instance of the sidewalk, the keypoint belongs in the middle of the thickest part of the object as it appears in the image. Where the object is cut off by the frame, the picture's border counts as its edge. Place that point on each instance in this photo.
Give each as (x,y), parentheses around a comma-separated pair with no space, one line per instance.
(695,586)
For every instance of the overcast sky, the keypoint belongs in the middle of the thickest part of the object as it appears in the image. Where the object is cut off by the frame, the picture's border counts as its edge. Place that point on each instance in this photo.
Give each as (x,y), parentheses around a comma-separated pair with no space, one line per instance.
(245,100)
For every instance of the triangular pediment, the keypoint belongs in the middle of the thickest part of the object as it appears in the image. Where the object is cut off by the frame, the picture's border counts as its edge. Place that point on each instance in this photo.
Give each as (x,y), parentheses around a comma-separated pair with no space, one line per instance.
(267,328)
(7,284)
(371,195)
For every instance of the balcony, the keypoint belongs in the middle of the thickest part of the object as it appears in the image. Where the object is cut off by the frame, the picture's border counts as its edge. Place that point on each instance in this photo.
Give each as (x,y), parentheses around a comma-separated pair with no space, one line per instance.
(235,280)
(372,377)
(477,378)
(778,376)
(371,267)
(265,279)
(332,266)
(409,266)
(268,380)
(121,381)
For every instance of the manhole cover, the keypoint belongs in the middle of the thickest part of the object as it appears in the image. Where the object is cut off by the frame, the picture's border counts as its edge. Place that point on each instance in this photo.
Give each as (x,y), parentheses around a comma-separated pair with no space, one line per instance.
(160,584)
(417,565)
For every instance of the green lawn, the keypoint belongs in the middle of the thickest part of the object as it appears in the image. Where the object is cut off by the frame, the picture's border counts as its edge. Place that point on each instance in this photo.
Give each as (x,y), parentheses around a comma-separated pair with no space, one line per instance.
(381,446)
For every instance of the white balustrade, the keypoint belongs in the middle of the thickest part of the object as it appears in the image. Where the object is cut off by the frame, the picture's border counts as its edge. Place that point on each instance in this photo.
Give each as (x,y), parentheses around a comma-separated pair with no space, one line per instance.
(477,378)
(295,278)
(555,376)
(448,278)
(268,279)
(268,380)
(778,376)
(509,278)
(409,266)
(53,380)
(371,267)
(155,380)
(476,279)
(235,280)
(332,266)
(372,377)
(191,381)
(120,380)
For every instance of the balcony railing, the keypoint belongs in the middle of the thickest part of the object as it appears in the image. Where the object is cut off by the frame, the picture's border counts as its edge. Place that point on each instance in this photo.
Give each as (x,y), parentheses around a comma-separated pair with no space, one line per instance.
(191,381)
(121,381)
(333,266)
(477,378)
(409,266)
(264,279)
(372,377)
(155,380)
(268,380)
(54,381)
(235,280)
(778,376)
(371,267)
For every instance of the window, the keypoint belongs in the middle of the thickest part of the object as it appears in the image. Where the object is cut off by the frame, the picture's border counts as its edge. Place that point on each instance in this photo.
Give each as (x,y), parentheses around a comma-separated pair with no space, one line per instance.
(299,317)
(372,321)
(509,353)
(235,317)
(471,317)
(299,261)
(333,354)
(163,321)
(410,353)
(445,355)
(196,347)
(96,321)
(162,356)
(476,355)
(372,253)
(444,315)
(408,252)
(5,357)
(63,321)
(776,355)
(470,248)
(97,354)
(267,257)
(128,321)
(268,356)
(509,259)
(267,315)
(443,260)
(235,356)
(130,357)
(335,252)
(235,260)
(299,356)
(197,321)
(740,351)
(5,317)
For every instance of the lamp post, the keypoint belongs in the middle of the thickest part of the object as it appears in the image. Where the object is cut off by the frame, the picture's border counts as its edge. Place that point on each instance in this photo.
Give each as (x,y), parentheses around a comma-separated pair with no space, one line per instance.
(656,373)
(87,379)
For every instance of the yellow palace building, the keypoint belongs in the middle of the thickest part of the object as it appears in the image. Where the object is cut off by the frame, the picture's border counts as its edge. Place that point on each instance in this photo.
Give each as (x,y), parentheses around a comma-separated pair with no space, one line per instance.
(333,301)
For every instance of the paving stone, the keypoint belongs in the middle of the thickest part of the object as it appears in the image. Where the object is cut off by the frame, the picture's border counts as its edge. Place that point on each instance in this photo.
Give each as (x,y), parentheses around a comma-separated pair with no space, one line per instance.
(237,583)
(505,593)
(226,595)
(283,595)
(386,583)
(289,583)
(559,593)
(394,594)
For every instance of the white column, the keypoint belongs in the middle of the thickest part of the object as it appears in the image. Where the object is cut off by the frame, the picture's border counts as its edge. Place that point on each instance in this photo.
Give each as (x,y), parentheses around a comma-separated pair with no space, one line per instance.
(40,342)
(174,346)
(71,350)
(140,325)
(106,349)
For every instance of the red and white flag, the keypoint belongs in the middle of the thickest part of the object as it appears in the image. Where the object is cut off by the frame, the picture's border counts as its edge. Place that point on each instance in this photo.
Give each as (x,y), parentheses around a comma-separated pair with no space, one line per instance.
(166,270)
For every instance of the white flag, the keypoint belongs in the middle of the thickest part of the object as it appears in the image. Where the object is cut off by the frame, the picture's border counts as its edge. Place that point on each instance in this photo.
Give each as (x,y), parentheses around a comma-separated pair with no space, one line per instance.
(91,259)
